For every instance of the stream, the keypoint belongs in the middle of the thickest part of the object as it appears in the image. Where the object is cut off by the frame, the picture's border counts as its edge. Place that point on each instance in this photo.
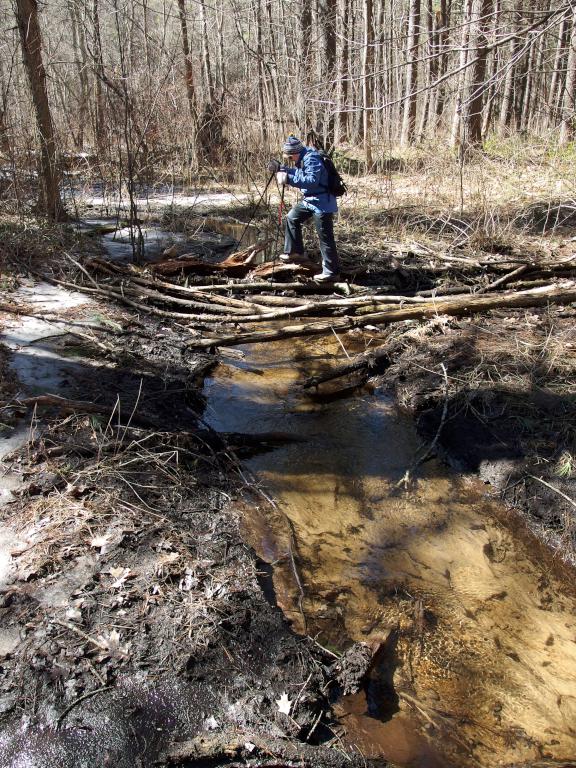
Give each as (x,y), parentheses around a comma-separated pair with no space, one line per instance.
(471,621)
(474,632)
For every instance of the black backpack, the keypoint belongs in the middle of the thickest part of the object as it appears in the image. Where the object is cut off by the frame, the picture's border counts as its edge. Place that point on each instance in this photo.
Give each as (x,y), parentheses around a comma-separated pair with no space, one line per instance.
(336,185)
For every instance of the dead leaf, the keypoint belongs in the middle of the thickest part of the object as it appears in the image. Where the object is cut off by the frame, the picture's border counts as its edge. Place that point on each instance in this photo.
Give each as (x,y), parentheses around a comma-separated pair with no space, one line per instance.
(211,724)
(75,490)
(110,644)
(284,704)
(101,543)
(73,614)
(189,581)
(120,575)
(19,548)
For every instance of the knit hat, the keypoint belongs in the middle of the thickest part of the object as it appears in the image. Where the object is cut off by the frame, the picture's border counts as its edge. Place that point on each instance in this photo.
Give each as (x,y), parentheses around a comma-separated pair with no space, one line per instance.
(292,146)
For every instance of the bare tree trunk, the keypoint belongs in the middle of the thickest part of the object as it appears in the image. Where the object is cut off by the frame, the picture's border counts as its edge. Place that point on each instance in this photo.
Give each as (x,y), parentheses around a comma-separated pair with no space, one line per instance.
(410,98)
(221,55)
(442,19)
(534,68)
(80,59)
(526,91)
(147,52)
(480,12)
(343,73)
(189,72)
(567,130)
(30,38)
(555,83)
(367,84)
(4,141)
(206,54)
(461,83)
(101,147)
(381,47)
(261,73)
(272,66)
(429,68)
(305,32)
(492,69)
(5,83)
(327,14)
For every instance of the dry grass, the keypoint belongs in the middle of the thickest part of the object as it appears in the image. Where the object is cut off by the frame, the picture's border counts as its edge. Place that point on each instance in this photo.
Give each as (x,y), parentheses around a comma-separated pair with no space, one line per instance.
(513,195)
(27,243)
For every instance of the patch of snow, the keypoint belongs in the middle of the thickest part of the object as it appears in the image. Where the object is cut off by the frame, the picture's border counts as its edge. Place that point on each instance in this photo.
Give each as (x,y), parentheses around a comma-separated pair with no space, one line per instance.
(119,248)
(8,542)
(199,200)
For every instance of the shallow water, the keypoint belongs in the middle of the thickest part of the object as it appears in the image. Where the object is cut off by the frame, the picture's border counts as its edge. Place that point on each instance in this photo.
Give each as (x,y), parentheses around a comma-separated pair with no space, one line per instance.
(478,630)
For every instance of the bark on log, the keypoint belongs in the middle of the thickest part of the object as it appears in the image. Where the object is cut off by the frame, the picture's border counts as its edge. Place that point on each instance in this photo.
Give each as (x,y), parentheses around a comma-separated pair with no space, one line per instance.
(563,293)
(237,264)
(269,752)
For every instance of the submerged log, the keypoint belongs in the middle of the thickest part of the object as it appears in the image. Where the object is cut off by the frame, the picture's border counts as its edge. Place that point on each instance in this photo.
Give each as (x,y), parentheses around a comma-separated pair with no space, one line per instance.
(561,293)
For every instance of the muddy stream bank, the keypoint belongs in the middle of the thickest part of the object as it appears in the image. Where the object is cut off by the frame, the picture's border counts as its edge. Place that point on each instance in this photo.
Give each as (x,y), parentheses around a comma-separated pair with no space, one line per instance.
(470,620)
(474,629)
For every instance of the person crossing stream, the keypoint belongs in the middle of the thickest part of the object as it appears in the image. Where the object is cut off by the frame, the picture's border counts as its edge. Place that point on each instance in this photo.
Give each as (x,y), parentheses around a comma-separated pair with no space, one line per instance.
(310,173)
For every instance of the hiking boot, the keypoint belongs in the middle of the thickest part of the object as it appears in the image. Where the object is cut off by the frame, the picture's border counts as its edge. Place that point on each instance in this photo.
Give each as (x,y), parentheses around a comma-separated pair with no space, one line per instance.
(292,258)
(324,278)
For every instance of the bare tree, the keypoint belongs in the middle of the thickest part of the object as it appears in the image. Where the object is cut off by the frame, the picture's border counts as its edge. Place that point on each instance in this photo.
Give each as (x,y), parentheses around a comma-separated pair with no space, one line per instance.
(27,19)
(360,71)
(567,129)
(411,86)
(343,66)
(367,78)
(208,78)
(480,20)
(189,72)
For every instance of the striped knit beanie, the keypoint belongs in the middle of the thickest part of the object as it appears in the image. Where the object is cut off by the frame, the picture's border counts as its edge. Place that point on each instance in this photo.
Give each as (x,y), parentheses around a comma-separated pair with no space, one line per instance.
(292,146)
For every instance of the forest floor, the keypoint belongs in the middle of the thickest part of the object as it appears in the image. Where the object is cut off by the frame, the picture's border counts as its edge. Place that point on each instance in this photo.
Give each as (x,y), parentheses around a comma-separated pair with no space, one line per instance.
(135,625)
(131,609)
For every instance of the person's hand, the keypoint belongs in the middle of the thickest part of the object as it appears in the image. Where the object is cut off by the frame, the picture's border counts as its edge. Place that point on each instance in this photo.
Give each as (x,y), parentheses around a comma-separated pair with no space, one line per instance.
(273,166)
(281,178)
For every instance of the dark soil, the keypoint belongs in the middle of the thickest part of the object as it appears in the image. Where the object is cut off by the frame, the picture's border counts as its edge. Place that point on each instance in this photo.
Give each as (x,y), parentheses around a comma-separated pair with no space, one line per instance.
(8,382)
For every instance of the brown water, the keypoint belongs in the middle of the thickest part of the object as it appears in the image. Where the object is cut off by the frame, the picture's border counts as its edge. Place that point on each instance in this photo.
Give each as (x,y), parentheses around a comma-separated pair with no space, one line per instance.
(476,626)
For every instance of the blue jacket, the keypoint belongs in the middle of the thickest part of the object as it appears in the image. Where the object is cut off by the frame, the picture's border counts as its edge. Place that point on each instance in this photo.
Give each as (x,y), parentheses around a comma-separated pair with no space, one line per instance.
(311,176)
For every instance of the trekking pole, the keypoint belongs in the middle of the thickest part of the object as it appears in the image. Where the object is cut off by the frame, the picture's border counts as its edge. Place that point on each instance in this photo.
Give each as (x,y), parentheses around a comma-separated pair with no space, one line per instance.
(280,212)
(256,207)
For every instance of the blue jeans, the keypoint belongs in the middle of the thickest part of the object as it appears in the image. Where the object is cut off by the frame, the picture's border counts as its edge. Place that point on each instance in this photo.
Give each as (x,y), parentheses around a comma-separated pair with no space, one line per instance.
(324,222)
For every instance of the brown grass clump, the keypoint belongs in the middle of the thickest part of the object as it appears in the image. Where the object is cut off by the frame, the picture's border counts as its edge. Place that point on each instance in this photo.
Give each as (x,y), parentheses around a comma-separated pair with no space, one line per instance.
(27,243)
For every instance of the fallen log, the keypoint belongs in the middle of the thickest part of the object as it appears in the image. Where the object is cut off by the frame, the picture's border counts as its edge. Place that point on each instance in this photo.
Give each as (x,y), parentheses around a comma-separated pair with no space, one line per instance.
(236,265)
(250,749)
(137,276)
(276,267)
(561,293)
